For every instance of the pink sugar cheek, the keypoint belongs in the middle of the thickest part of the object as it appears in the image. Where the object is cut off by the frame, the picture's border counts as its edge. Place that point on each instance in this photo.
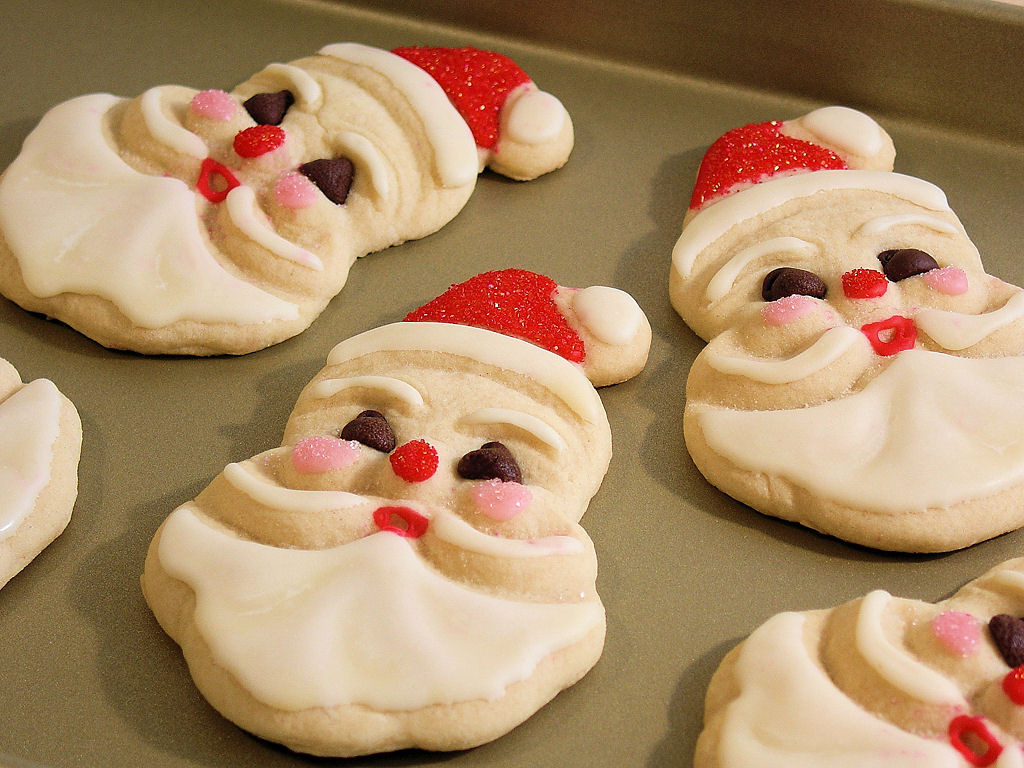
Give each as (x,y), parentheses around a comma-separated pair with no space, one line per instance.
(501,500)
(787,309)
(214,105)
(951,281)
(958,632)
(322,454)
(295,191)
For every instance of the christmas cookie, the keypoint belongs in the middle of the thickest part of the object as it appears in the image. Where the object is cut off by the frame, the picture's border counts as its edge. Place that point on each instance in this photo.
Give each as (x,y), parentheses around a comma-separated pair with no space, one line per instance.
(40,440)
(408,568)
(864,374)
(203,222)
(878,681)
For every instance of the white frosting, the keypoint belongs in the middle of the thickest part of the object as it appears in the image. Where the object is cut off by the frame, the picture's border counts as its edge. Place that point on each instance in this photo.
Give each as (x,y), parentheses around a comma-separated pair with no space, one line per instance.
(532,116)
(724,279)
(929,431)
(881,224)
(714,221)
(454,147)
(29,427)
(789,714)
(524,421)
(557,374)
(894,664)
(613,316)
(389,385)
(366,623)
(303,87)
(167,131)
(1006,579)
(454,530)
(242,210)
(956,331)
(81,220)
(828,348)
(361,151)
(247,478)
(848,130)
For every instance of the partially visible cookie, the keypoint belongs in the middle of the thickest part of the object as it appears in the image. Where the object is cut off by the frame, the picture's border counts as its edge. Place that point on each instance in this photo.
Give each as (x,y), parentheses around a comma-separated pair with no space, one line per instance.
(864,374)
(40,441)
(879,681)
(408,568)
(203,222)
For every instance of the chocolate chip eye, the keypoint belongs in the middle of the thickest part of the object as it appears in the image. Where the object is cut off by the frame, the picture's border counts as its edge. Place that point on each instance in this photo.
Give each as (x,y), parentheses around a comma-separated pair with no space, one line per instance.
(490,461)
(269,108)
(901,263)
(790,281)
(372,430)
(333,177)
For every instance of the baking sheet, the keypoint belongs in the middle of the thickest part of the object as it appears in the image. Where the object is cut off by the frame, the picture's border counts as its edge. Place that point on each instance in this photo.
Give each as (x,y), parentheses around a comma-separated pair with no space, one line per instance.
(87,678)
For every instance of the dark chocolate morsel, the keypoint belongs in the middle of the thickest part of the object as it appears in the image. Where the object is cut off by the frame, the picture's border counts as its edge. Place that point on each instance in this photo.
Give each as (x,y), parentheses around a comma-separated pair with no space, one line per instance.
(333,177)
(1008,634)
(490,461)
(372,430)
(901,263)
(269,108)
(790,281)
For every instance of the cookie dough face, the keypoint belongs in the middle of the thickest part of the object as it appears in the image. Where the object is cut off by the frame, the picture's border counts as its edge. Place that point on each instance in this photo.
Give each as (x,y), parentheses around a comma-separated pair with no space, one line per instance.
(424,507)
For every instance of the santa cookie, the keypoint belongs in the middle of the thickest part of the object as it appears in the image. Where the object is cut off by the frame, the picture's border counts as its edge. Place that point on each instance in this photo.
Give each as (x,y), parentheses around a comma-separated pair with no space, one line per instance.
(879,681)
(40,441)
(864,374)
(407,569)
(202,222)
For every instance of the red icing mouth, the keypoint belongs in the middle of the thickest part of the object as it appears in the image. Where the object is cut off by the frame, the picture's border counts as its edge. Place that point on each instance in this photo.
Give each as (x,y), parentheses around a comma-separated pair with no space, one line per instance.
(892,335)
(402,521)
(211,172)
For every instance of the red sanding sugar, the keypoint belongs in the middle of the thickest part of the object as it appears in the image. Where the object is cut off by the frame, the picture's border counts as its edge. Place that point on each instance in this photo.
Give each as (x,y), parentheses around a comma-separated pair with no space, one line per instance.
(749,155)
(514,302)
(477,83)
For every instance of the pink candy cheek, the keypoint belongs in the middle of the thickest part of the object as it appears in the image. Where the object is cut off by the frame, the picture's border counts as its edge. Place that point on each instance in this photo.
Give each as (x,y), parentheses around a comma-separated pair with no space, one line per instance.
(295,191)
(959,632)
(322,454)
(951,281)
(499,500)
(214,105)
(787,309)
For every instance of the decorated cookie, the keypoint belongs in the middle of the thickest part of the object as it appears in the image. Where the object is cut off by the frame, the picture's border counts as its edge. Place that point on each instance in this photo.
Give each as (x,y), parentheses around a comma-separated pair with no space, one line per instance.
(205,222)
(878,681)
(864,374)
(40,440)
(408,568)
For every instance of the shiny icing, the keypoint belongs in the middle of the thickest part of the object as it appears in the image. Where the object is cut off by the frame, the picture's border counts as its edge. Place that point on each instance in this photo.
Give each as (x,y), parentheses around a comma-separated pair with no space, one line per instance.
(714,221)
(29,427)
(281,622)
(955,331)
(166,130)
(789,713)
(557,374)
(532,116)
(826,349)
(950,280)
(954,428)
(456,531)
(214,104)
(322,453)
(304,88)
(724,279)
(787,310)
(501,500)
(454,148)
(880,224)
(81,220)
(393,388)
(249,480)
(613,316)
(524,421)
(361,150)
(848,130)
(253,223)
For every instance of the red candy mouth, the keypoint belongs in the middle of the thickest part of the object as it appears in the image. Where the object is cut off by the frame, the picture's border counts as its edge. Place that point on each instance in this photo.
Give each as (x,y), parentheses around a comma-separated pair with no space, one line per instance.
(892,335)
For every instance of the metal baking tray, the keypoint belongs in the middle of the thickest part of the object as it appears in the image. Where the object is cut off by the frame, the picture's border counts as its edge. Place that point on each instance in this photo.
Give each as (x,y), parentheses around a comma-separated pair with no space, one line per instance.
(87,678)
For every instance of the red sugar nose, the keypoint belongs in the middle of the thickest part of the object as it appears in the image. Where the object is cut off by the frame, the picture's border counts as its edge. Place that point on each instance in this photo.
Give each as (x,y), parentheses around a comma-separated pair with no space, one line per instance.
(414,461)
(864,284)
(892,335)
